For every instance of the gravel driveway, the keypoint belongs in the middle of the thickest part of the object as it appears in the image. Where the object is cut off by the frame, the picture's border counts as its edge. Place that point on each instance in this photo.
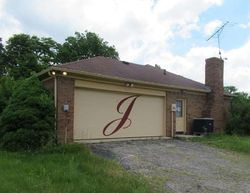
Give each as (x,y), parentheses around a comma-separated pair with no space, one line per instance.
(181,166)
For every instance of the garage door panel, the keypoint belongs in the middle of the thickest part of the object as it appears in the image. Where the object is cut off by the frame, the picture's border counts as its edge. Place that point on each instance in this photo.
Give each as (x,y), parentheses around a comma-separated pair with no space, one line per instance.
(101,115)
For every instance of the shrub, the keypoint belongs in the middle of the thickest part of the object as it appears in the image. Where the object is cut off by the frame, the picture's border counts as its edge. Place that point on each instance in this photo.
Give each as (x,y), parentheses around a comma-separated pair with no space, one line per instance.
(6,88)
(27,122)
(238,122)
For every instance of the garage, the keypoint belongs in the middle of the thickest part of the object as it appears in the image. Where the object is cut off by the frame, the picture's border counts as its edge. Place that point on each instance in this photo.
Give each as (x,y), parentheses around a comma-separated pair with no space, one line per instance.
(108,114)
(100,99)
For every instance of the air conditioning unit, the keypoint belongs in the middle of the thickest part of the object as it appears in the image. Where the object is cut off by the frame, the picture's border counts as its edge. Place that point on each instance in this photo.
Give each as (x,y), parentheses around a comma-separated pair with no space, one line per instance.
(203,125)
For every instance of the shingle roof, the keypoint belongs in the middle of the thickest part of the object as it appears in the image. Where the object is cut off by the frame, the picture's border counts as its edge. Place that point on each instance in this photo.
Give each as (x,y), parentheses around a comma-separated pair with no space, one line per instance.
(116,68)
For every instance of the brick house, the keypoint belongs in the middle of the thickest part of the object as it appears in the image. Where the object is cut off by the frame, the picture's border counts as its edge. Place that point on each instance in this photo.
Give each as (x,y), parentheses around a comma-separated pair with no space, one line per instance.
(101,99)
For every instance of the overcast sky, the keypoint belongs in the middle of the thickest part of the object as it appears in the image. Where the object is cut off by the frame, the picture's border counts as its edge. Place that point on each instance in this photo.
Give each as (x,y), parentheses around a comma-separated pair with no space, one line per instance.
(170,33)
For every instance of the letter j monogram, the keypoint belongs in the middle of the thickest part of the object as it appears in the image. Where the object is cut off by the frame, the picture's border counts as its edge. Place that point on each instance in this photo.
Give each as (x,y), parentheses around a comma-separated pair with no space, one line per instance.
(121,122)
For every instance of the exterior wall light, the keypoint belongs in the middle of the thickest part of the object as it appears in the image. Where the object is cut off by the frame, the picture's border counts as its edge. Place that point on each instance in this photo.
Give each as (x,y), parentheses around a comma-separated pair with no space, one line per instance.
(64,73)
(128,84)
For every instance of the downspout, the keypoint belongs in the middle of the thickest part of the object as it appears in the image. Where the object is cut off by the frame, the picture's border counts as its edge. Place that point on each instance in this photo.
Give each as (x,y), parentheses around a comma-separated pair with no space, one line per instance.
(55,92)
(173,109)
(55,97)
(55,100)
(172,123)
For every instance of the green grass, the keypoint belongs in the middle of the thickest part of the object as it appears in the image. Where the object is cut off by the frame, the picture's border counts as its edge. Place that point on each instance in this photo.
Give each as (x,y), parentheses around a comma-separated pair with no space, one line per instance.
(230,142)
(65,169)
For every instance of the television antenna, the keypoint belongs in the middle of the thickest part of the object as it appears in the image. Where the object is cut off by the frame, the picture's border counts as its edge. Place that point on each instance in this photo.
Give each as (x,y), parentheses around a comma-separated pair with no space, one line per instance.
(217,33)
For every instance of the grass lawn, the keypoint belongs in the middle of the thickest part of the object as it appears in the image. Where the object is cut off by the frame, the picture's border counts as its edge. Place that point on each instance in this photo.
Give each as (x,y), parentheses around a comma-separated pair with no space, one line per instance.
(65,169)
(230,142)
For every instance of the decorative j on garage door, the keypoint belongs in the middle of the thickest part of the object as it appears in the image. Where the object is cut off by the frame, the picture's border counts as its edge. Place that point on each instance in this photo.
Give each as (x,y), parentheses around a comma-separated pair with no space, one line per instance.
(102,114)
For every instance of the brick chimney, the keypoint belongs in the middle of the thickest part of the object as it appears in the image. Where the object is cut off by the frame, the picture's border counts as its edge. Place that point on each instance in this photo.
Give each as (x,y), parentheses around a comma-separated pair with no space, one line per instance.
(215,101)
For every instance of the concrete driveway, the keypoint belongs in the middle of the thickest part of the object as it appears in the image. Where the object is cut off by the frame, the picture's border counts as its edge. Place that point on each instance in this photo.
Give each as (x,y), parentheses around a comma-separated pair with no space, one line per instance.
(181,166)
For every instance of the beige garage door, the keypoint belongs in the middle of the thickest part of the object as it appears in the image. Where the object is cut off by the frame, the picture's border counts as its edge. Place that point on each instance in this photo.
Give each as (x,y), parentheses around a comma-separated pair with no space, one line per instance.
(104,114)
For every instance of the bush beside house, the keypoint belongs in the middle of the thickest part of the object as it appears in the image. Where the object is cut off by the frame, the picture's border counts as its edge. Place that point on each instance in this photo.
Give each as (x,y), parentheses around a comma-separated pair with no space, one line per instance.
(7,85)
(27,122)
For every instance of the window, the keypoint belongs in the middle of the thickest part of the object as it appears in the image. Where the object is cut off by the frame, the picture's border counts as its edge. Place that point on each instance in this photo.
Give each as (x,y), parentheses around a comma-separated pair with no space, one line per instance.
(179,108)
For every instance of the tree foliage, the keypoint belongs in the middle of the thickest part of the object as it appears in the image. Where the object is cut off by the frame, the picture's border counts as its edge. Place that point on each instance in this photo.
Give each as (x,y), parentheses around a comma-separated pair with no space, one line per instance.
(2,66)
(25,54)
(230,89)
(27,122)
(7,85)
(85,45)
(240,113)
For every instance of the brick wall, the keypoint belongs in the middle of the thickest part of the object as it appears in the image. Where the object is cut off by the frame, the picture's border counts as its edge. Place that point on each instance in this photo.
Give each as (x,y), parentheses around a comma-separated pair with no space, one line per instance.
(65,120)
(65,95)
(195,107)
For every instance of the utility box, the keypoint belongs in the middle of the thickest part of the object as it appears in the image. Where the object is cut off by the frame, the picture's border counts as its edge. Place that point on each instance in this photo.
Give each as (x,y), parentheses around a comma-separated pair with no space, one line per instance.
(66,108)
(173,107)
(203,125)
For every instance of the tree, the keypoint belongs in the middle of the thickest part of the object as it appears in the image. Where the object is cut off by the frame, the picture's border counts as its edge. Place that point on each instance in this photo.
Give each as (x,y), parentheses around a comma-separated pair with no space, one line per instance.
(238,122)
(2,67)
(230,89)
(28,120)
(85,45)
(7,85)
(25,54)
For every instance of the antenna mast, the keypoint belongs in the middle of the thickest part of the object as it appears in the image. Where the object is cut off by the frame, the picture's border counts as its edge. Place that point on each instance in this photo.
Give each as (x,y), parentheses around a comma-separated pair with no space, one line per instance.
(218,33)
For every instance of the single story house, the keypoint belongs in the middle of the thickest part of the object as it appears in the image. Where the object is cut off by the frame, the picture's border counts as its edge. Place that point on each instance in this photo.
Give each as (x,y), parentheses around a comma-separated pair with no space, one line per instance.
(100,99)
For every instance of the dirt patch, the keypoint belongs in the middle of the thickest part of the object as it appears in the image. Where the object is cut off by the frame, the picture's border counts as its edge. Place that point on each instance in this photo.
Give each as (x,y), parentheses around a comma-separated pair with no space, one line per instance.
(181,166)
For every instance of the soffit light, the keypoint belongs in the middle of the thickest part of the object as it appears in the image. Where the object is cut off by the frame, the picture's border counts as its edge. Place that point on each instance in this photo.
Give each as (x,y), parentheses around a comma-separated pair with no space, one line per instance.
(64,73)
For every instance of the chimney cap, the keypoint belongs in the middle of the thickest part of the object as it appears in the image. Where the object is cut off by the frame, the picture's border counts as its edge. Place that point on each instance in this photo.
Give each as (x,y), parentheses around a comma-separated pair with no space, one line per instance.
(214,59)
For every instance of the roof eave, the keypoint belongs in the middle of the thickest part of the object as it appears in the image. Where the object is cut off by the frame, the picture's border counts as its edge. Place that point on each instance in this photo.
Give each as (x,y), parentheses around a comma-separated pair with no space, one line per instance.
(84,73)
(44,71)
